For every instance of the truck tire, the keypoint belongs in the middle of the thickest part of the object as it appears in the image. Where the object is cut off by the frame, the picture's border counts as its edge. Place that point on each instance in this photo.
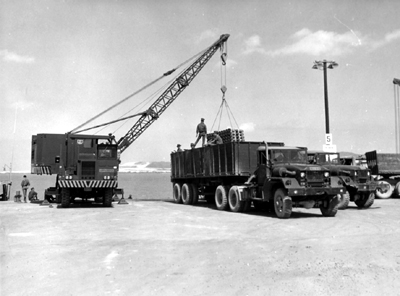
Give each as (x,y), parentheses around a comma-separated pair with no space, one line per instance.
(282,204)
(195,193)
(384,190)
(344,201)
(187,194)
(331,208)
(107,201)
(65,198)
(369,200)
(235,204)
(397,189)
(221,198)
(176,193)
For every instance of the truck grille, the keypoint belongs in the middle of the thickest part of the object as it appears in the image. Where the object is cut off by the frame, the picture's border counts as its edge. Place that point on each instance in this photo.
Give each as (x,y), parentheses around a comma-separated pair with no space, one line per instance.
(315,178)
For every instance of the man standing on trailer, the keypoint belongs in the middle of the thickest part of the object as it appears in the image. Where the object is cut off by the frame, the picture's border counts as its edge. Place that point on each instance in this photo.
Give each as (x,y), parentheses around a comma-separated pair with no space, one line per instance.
(201,132)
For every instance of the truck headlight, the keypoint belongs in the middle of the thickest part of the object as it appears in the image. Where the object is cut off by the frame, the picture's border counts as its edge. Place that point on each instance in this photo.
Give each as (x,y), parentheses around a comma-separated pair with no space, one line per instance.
(302,175)
(326,174)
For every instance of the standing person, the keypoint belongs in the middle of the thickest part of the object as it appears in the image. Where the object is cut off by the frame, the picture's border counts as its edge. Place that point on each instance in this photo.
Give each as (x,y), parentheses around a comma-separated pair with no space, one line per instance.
(201,132)
(179,149)
(25,185)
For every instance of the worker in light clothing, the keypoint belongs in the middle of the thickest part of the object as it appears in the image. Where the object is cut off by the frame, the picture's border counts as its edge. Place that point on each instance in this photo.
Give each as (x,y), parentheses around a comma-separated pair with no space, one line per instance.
(25,185)
(201,132)
(217,140)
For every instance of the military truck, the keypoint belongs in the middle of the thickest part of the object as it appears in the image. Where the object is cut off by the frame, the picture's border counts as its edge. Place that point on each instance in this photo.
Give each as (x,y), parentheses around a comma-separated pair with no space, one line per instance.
(385,168)
(236,174)
(359,184)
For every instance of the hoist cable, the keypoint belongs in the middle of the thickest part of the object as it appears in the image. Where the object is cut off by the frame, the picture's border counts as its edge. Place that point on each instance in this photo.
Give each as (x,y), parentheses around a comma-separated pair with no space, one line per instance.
(138,91)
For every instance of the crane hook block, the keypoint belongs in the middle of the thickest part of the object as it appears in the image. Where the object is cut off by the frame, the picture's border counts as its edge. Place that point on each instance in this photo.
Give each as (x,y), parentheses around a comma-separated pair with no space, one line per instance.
(223,89)
(223,58)
(169,72)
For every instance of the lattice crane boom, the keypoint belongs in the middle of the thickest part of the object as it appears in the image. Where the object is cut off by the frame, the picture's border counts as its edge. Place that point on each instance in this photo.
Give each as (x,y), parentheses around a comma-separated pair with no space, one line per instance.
(169,95)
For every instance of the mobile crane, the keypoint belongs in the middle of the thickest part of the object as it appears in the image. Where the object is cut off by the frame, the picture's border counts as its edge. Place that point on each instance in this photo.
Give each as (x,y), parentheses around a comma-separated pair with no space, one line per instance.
(87,165)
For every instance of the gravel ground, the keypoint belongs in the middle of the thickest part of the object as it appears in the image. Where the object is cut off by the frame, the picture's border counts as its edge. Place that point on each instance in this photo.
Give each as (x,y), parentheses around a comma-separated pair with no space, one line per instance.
(162,248)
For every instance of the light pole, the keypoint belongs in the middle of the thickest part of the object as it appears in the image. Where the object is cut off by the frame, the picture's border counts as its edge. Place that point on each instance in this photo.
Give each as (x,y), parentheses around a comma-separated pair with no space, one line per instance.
(323,65)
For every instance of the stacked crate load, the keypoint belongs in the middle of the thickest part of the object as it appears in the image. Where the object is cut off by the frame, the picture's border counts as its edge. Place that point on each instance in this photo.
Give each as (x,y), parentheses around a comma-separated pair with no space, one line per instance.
(228,135)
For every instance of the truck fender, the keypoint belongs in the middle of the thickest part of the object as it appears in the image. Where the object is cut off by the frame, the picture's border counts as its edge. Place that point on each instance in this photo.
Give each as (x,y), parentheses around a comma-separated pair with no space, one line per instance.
(244,193)
(337,182)
(269,188)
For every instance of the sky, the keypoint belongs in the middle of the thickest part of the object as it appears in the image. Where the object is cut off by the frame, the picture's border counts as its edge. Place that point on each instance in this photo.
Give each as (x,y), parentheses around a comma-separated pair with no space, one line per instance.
(64,62)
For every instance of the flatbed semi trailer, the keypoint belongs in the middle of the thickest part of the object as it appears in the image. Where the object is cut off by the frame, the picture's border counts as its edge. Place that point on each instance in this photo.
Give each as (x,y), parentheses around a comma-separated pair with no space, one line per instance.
(270,175)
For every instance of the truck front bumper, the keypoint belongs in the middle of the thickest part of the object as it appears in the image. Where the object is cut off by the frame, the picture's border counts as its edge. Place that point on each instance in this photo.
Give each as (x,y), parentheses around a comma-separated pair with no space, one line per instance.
(292,192)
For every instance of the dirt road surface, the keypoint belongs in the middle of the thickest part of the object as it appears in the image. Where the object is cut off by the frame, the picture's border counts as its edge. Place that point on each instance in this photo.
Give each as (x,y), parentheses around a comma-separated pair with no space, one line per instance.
(162,248)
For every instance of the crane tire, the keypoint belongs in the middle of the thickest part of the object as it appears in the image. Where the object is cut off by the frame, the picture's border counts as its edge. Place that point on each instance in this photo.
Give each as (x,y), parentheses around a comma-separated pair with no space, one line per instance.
(187,194)
(344,201)
(383,193)
(65,198)
(221,198)
(176,193)
(108,196)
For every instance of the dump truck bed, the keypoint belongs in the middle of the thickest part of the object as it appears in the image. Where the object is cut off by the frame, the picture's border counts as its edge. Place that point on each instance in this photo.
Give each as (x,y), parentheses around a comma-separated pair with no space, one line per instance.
(229,159)
(383,163)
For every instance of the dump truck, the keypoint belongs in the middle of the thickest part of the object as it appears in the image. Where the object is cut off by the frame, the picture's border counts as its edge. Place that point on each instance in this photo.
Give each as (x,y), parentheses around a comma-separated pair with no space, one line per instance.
(385,168)
(358,180)
(269,175)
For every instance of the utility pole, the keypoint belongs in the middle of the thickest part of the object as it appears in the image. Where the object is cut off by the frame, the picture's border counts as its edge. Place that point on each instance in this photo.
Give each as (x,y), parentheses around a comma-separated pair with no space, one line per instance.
(324,65)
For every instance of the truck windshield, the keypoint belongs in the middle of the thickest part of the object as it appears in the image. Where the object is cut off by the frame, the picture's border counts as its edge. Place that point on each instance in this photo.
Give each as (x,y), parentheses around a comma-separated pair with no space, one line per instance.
(327,158)
(289,155)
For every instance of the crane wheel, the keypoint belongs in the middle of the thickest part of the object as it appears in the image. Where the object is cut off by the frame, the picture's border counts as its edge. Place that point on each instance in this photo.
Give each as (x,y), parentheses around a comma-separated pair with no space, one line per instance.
(65,198)
(108,194)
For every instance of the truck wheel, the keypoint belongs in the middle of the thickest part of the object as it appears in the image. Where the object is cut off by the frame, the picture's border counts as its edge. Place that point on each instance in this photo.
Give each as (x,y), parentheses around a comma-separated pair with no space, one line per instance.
(195,193)
(282,204)
(65,198)
(176,192)
(344,201)
(235,204)
(397,189)
(384,190)
(221,198)
(369,200)
(187,195)
(331,209)
(107,201)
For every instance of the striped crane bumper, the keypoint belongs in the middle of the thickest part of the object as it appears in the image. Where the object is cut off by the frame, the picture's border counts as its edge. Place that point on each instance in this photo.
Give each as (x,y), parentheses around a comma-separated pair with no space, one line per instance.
(87,184)
(40,170)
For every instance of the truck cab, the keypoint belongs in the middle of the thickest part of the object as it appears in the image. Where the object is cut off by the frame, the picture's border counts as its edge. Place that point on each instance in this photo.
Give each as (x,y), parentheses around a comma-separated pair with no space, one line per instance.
(357,179)
(286,179)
